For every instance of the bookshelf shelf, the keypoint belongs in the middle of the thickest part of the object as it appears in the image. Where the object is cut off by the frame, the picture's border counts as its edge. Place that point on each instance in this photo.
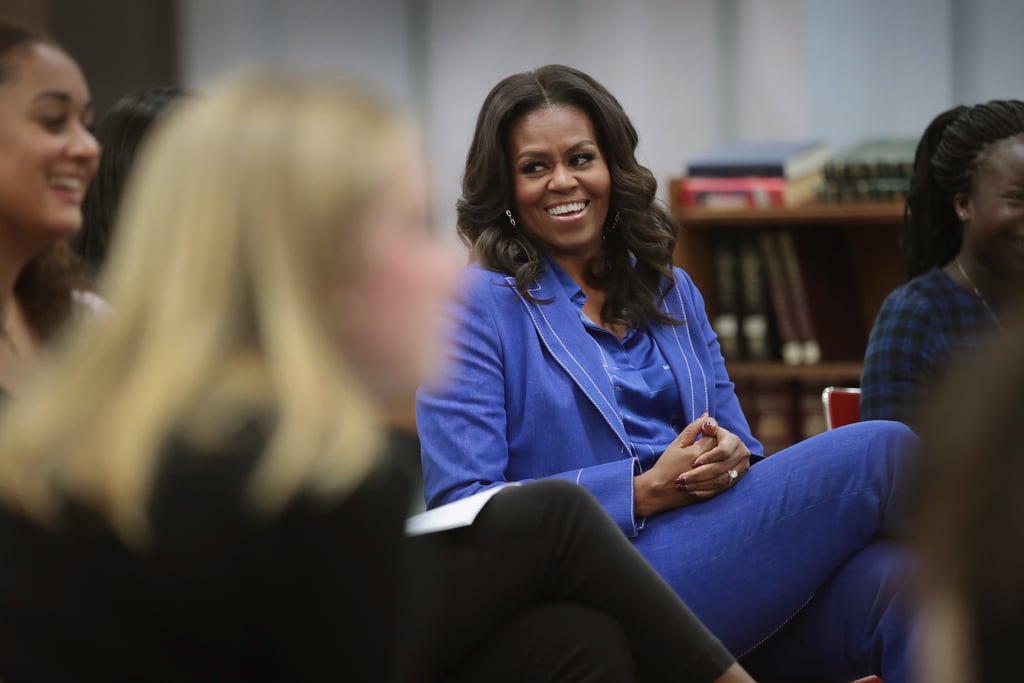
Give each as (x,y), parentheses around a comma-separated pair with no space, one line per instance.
(846,373)
(851,252)
(886,213)
(870,233)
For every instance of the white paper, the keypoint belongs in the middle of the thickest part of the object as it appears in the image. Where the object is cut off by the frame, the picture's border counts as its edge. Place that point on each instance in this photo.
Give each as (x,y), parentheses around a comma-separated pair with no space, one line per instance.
(453,515)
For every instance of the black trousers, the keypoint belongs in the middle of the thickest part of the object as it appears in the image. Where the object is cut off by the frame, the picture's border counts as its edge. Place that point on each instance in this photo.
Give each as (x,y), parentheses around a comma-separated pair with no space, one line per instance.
(544,587)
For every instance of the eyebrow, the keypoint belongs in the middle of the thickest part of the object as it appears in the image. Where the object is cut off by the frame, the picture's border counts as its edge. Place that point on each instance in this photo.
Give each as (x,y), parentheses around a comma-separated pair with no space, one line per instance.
(531,153)
(63,98)
(52,95)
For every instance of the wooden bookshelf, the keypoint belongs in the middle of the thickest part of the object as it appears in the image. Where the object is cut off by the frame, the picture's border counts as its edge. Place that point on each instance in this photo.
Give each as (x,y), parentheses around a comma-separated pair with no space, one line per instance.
(870,232)
(782,401)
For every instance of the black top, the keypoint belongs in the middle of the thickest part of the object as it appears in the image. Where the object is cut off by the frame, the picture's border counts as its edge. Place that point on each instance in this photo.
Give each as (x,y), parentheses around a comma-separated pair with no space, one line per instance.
(309,594)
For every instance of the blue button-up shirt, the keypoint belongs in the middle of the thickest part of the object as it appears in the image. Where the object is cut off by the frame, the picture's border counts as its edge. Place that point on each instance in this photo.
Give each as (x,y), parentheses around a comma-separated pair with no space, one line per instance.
(648,397)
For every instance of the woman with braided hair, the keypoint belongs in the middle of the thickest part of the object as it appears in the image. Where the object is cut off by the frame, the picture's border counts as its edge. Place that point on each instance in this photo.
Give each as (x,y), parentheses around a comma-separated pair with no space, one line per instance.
(963,240)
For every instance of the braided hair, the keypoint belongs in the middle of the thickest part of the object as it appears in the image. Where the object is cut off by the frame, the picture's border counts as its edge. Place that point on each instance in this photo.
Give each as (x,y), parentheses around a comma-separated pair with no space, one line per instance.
(944,166)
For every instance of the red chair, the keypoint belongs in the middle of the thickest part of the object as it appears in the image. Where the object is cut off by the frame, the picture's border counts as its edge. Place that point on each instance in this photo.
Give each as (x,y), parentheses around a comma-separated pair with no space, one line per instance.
(842,406)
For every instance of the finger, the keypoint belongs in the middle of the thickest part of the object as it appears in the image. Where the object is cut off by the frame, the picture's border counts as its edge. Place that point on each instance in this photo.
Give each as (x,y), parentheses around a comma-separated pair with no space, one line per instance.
(709,427)
(730,445)
(689,434)
(708,477)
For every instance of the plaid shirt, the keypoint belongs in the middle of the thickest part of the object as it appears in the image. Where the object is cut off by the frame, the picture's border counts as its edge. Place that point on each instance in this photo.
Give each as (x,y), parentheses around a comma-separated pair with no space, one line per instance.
(919,329)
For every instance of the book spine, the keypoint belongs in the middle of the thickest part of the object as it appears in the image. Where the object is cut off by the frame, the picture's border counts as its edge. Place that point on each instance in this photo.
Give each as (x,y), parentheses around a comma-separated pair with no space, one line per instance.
(737,170)
(755,321)
(791,345)
(733,193)
(811,411)
(726,321)
(798,294)
(773,413)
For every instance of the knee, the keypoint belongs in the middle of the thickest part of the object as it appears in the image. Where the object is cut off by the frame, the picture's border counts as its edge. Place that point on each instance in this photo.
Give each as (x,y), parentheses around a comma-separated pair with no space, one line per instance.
(582,644)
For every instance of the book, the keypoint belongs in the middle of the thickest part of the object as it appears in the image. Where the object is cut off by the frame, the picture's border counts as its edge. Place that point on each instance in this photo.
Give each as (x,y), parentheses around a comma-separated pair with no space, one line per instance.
(791,344)
(796,289)
(883,189)
(811,412)
(461,513)
(875,157)
(829,311)
(726,318)
(772,413)
(760,159)
(756,327)
(747,192)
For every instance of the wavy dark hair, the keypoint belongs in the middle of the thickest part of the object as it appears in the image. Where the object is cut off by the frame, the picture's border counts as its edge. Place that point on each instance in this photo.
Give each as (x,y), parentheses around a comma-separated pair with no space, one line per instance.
(119,131)
(638,253)
(945,162)
(45,286)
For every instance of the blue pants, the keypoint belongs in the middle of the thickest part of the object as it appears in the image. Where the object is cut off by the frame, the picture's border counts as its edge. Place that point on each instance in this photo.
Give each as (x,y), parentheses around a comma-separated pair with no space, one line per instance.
(793,565)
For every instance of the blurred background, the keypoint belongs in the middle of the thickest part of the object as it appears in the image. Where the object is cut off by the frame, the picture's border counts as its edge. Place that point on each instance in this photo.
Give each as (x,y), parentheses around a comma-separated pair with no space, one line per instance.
(691,73)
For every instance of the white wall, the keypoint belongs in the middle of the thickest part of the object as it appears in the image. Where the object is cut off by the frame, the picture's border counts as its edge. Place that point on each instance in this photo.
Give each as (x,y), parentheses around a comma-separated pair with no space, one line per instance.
(656,56)
(876,67)
(689,72)
(988,50)
(368,39)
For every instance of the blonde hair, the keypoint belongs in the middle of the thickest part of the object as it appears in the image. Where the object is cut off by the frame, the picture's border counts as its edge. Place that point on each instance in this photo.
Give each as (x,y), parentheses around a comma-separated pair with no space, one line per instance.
(242,215)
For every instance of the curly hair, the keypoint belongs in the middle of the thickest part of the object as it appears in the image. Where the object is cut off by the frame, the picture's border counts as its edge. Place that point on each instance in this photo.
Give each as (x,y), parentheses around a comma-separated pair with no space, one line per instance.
(46,284)
(638,254)
(945,162)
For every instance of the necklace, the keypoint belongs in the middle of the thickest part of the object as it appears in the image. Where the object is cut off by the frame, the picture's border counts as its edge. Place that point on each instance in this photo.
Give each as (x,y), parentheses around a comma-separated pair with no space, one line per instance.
(977,292)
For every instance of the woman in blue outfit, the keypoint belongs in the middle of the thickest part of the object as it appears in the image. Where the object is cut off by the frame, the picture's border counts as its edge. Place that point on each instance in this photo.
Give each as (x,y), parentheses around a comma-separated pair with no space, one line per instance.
(963,238)
(580,353)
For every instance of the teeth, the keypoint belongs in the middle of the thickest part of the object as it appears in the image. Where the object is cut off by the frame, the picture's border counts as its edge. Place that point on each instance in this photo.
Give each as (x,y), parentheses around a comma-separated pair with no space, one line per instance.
(563,209)
(74,184)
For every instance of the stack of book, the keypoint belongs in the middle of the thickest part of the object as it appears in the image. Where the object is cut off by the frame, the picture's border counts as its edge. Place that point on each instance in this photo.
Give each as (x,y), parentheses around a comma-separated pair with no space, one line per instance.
(754,175)
(873,170)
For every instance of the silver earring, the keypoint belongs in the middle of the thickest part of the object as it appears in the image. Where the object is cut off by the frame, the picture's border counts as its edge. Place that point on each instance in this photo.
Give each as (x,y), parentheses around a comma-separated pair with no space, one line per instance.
(508,212)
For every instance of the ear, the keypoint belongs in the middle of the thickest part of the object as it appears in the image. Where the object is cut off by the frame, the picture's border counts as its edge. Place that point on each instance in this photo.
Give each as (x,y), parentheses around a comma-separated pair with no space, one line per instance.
(963,207)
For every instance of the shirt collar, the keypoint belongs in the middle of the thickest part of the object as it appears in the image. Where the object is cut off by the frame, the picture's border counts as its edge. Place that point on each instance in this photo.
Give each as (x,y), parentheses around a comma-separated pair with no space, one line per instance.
(569,286)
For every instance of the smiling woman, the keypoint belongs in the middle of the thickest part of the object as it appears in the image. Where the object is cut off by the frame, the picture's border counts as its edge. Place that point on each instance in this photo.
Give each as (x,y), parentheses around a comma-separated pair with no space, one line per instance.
(47,158)
(580,353)
(963,241)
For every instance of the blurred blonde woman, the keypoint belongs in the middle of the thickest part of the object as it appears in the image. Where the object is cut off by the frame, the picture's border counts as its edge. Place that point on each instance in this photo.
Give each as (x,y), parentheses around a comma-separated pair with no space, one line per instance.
(200,488)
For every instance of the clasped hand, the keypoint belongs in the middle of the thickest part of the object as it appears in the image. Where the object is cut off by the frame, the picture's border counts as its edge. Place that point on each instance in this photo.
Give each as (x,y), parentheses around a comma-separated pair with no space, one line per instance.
(696,466)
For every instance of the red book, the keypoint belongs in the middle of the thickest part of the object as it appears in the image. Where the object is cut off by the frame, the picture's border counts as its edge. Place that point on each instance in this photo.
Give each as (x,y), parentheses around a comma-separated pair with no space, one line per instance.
(744,193)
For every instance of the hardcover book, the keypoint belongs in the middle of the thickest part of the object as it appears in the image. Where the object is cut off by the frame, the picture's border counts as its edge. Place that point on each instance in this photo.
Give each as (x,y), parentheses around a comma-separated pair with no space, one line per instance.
(726,320)
(747,192)
(761,159)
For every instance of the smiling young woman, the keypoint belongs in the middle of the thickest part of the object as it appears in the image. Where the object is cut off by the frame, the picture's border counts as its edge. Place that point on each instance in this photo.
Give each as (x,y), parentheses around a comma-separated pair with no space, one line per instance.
(47,158)
(963,241)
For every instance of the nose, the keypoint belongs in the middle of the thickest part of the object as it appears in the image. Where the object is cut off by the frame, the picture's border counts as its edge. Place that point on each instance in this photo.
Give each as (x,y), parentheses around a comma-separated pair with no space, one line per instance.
(562,178)
(83,144)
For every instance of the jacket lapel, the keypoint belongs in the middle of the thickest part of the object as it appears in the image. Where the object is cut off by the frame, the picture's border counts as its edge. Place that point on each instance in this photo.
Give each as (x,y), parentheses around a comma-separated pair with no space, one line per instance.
(678,344)
(562,333)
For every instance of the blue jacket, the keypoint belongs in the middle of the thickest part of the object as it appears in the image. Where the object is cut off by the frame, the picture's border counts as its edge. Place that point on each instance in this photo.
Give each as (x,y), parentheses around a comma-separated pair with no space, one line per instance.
(525,395)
